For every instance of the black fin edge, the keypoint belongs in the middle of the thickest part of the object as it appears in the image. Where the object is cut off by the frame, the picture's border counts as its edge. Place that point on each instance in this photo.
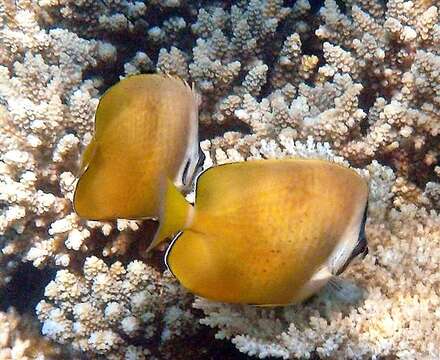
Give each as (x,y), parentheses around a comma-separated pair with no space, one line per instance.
(168,251)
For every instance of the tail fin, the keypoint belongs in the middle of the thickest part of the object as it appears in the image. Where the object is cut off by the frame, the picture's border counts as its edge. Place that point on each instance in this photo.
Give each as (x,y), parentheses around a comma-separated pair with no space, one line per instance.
(174,215)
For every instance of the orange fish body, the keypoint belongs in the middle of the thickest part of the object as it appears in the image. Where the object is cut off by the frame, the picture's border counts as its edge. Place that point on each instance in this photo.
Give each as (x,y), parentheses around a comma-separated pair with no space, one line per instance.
(146,129)
(269,232)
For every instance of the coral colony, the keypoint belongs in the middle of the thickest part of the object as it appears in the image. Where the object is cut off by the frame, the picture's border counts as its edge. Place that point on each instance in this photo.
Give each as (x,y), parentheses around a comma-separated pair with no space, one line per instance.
(359,86)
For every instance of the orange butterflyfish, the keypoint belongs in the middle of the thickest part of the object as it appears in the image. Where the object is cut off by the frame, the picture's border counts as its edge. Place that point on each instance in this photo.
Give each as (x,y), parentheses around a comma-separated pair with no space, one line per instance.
(146,130)
(266,232)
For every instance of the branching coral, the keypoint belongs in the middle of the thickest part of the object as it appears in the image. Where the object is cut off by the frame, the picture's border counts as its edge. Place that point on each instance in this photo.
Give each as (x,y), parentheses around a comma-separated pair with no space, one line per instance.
(20,339)
(117,312)
(359,86)
(116,17)
(392,53)
(375,96)
(46,116)
(366,82)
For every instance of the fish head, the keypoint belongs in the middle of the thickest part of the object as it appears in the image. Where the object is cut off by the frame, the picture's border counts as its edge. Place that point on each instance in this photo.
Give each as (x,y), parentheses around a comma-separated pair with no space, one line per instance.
(353,244)
(191,167)
(191,155)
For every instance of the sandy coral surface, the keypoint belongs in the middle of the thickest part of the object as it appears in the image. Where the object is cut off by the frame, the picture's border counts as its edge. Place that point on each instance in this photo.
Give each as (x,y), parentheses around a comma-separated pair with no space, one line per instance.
(357,83)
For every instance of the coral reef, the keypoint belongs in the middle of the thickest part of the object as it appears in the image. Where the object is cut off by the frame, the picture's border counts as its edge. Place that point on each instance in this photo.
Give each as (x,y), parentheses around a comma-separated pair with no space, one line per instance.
(358,85)
(46,116)
(374,97)
(20,339)
(117,312)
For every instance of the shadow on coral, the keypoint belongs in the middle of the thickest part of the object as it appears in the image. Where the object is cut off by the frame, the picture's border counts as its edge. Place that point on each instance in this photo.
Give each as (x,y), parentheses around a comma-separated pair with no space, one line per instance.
(212,349)
(25,289)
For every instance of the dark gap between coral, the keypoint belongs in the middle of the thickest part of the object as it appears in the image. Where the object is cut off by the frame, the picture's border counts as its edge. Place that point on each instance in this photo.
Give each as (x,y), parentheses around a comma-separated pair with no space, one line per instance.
(204,346)
(26,288)
(213,130)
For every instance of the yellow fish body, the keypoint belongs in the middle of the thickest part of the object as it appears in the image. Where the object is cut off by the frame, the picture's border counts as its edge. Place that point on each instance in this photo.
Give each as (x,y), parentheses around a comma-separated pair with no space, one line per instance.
(146,129)
(267,232)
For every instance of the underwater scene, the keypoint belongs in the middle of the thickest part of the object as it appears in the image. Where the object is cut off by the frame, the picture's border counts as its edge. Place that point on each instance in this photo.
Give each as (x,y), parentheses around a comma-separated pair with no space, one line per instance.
(219,180)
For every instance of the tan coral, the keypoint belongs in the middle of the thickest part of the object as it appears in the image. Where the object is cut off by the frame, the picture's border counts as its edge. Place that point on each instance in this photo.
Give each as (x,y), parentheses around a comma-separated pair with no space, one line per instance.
(268,83)
(20,339)
(92,310)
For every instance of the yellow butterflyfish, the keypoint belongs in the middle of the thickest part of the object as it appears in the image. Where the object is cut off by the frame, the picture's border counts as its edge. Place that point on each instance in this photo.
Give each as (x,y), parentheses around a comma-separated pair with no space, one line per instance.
(266,232)
(146,130)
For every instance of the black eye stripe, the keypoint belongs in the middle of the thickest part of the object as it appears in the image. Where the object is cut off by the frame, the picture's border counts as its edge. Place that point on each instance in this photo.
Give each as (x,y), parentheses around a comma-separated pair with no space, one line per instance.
(361,247)
(196,170)
(201,158)
(185,171)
